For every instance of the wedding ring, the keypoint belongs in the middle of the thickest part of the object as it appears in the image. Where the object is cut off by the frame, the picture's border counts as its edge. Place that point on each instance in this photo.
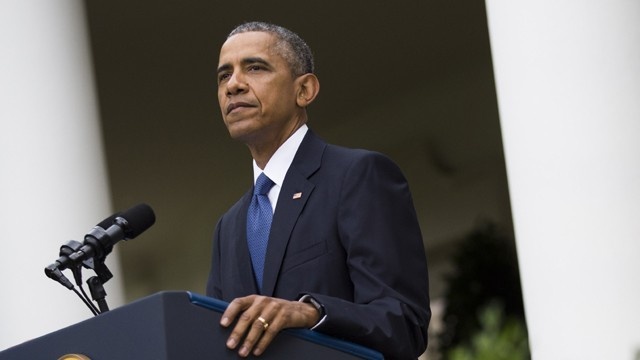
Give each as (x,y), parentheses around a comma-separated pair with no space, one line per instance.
(264,322)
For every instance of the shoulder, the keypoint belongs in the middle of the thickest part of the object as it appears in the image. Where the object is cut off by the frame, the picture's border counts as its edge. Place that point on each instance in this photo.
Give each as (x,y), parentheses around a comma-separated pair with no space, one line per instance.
(314,146)
(315,154)
(359,160)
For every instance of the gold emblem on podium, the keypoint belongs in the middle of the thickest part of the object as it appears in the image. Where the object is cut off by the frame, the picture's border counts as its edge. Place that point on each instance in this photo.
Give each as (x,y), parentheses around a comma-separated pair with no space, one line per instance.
(74,357)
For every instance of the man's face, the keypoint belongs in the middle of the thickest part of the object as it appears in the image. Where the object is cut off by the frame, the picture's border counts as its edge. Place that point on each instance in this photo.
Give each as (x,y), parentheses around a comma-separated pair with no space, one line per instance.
(256,89)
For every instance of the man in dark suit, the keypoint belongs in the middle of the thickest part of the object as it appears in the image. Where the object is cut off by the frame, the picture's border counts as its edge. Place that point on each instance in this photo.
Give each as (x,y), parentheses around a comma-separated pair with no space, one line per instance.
(341,250)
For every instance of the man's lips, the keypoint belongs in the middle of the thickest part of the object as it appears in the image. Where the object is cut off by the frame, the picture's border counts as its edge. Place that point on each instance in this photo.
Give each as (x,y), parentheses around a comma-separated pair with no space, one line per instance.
(237,105)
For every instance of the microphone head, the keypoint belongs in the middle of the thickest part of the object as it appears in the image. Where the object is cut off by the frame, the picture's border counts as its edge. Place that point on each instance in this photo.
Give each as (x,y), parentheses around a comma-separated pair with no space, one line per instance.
(136,220)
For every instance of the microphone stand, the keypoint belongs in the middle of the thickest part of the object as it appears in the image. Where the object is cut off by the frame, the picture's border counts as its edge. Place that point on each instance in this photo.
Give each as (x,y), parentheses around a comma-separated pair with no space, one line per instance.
(98,243)
(96,283)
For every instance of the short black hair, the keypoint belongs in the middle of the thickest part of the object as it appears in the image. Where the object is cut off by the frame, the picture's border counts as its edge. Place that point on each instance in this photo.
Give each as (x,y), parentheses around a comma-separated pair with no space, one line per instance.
(289,45)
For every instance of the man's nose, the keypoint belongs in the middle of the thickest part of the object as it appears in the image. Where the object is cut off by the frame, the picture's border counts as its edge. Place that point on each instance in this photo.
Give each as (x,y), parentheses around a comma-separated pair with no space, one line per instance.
(236,84)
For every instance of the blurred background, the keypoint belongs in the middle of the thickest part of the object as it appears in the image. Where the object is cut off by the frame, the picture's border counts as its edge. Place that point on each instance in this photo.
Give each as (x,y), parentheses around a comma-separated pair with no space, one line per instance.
(413,80)
(104,105)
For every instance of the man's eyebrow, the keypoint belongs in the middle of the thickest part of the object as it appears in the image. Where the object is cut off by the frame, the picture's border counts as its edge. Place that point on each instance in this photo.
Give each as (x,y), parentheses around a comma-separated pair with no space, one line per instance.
(245,61)
(223,68)
(255,60)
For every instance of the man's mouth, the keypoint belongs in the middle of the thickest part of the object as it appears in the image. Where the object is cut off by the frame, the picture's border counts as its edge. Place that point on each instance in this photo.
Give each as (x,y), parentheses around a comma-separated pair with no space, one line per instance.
(236,105)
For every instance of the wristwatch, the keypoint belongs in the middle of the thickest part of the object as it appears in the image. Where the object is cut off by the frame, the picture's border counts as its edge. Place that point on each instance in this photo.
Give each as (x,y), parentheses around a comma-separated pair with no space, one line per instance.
(311,300)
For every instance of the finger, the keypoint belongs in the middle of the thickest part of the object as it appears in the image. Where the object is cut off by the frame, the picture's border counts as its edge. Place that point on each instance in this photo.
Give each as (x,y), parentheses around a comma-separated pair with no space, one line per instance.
(234,308)
(244,328)
(258,329)
(280,312)
(268,334)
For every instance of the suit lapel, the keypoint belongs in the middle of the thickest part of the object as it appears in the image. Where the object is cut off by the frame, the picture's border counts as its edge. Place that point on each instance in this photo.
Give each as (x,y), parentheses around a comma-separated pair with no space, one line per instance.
(294,194)
(241,249)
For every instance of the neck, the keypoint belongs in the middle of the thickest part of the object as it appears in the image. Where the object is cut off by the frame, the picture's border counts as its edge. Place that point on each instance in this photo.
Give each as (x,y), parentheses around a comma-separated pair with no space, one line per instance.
(262,152)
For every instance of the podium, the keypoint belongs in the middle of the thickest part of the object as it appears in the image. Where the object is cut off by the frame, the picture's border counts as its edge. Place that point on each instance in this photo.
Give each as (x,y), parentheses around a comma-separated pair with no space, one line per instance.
(173,326)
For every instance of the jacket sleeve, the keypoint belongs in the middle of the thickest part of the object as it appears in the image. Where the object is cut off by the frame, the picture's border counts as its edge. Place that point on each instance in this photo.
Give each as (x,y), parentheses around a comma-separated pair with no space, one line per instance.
(379,230)
(214,283)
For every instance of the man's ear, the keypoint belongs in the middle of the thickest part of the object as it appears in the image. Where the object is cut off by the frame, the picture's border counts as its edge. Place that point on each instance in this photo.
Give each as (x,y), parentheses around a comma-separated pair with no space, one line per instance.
(308,87)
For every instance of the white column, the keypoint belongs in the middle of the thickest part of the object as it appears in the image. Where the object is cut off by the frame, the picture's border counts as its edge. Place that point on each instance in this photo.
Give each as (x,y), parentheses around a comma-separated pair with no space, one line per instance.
(568,83)
(53,181)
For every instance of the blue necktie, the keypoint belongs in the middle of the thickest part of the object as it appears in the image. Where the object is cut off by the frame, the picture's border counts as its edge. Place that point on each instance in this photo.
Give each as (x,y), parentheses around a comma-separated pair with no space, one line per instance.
(259,218)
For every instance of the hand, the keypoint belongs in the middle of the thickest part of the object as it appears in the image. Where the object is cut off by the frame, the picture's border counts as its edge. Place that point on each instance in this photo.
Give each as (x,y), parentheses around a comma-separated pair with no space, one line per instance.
(260,318)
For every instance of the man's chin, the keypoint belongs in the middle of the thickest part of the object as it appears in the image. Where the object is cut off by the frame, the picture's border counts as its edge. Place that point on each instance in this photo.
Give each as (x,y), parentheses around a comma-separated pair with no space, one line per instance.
(239,129)
(242,134)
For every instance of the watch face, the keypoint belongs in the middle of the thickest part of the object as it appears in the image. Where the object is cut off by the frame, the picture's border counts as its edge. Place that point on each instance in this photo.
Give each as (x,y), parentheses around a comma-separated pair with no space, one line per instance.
(74,357)
(310,300)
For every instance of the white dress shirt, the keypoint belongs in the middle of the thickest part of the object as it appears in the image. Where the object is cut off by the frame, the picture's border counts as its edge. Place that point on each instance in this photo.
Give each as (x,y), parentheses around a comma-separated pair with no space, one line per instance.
(279,164)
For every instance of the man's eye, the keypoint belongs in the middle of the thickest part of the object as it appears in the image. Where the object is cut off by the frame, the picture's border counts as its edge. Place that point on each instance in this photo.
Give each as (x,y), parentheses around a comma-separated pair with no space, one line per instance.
(224,76)
(255,68)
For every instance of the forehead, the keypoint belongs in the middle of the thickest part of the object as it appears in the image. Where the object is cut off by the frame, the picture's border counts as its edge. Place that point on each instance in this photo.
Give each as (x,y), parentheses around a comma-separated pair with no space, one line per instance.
(247,45)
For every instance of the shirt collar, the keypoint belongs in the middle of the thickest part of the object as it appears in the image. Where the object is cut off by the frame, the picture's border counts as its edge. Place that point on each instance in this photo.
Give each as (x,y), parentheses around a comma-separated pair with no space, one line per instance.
(279,163)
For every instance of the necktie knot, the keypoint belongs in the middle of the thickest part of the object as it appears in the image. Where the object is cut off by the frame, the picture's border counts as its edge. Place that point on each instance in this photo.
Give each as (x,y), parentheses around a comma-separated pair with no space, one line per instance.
(263,185)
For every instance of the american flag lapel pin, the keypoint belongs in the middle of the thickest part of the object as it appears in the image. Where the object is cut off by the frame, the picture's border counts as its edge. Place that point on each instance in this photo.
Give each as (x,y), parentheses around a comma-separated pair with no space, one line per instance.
(297,195)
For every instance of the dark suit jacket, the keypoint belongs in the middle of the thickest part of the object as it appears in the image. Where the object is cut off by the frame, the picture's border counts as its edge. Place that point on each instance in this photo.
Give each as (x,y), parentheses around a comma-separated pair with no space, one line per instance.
(352,241)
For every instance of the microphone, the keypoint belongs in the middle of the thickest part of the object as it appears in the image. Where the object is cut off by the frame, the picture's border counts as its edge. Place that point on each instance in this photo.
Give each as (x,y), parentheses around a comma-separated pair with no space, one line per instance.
(72,246)
(99,242)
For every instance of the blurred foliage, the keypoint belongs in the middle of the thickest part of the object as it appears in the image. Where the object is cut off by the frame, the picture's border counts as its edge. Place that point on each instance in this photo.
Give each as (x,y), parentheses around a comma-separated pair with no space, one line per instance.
(497,339)
(486,274)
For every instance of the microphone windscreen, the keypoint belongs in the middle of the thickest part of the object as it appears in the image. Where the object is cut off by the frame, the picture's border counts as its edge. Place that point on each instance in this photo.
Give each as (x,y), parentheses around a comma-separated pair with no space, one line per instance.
(139,218)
